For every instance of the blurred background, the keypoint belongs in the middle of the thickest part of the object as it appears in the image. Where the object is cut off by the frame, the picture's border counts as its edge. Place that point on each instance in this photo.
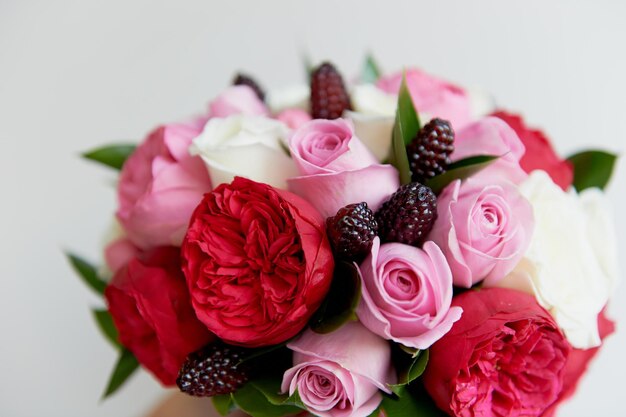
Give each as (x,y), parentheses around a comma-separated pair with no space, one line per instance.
(77,74)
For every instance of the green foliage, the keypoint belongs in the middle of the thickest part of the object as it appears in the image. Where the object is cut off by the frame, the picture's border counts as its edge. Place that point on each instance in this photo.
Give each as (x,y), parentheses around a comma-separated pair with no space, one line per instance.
(460,170)
(342,300)
(105,324)
(406,127)
(112,156)
(87,272)
(126,365)
(592,169)
(370,72)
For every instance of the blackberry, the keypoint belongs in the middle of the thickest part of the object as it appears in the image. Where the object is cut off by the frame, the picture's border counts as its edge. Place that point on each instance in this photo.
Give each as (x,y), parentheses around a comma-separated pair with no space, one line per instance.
(408,216)
(429,152)
(351,231)
(329,97)
(242,79)
(213,370)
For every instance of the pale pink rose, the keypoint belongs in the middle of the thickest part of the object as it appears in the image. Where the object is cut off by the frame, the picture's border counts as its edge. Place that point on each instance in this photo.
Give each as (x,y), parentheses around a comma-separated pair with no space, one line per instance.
(238,99)
(118,253)
(337,169)
(483,229)
(431,95)
(492,136)
(340,374)
(159,187)
(294,118)
(406,294)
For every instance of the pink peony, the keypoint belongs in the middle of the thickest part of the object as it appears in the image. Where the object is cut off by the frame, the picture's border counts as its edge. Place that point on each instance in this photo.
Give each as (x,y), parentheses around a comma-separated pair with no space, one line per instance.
(406,294)
(159,187)
(337,169)
(483,228)
(431,95)
(492,136)
(339,374)
(238,99)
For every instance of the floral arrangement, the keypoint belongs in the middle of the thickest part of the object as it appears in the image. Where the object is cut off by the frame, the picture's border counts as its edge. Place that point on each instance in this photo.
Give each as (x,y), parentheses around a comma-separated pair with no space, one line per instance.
(397,246)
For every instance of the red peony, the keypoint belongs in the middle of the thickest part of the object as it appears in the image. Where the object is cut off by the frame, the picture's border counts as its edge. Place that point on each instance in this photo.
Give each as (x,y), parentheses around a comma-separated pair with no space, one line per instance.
(257,261)
(150,306)
(504,357)
(577,364)
(539,152)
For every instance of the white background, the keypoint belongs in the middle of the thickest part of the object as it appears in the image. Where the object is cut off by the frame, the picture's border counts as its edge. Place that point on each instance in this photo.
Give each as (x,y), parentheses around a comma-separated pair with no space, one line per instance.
(76,74)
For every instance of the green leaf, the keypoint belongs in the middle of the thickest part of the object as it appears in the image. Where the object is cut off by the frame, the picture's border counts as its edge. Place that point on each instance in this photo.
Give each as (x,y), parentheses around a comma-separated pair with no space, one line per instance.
(460,170)
(87,272)
(370,72)
(223,404)
(410,373)
(415,404)
(342,300)
(406,126)
(112,156)
(252,401)
(126,365)
(106,325)
(592,169)
(270,388)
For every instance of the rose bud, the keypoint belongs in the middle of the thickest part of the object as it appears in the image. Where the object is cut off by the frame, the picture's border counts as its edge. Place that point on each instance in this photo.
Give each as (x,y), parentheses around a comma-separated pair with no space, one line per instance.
(406,294)
(483,229)
(336,169)
(257,261)
(150,306)
(159,187)
(505,357)
(340,374)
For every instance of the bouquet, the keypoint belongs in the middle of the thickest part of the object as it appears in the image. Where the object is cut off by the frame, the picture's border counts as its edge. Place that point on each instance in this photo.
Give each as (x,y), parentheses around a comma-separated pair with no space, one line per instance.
(396,246)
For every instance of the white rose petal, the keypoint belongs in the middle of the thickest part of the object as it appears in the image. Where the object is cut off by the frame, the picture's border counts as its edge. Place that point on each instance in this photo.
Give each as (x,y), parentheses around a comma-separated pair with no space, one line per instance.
(246,146)
(374,132)
(571,262)
(290,97)
(371,100)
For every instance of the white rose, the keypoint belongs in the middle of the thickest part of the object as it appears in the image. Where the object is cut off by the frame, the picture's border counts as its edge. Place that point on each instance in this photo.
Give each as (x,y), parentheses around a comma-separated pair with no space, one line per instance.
(296,96)
(373,118)
(571,264)
(246,146)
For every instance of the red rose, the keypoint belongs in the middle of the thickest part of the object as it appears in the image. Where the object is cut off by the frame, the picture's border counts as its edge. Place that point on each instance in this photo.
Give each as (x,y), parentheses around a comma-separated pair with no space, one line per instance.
(505,357)
(257,261)
(149,303)
(539,152)
(577,364)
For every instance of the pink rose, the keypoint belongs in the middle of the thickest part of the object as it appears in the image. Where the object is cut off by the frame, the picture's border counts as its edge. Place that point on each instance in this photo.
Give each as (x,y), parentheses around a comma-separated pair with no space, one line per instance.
(483,228)
(238,99)
(293,118)
(431,95)
(159,187)
(406,294)
(337,169)
(492,136)
(339,374)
